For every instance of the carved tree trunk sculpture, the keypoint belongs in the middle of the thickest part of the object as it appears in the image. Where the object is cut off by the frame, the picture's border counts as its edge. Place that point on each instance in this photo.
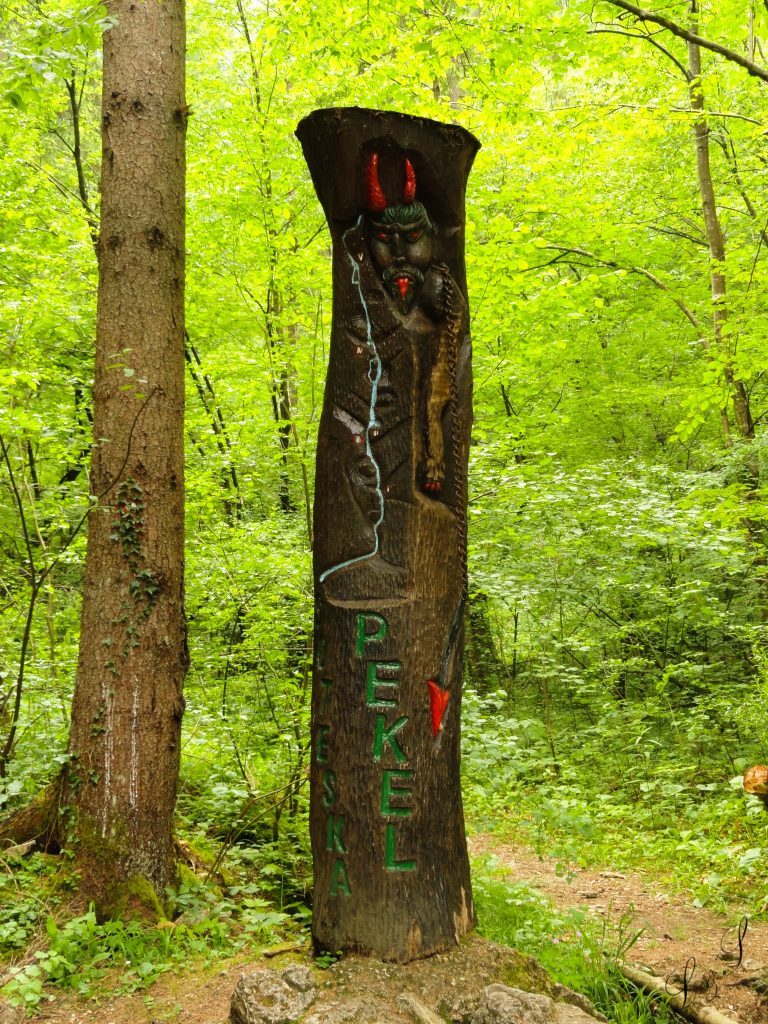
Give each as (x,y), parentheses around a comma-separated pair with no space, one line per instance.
(389,850)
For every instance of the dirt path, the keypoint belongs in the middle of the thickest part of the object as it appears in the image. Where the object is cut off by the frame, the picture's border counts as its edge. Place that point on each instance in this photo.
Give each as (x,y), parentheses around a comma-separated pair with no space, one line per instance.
(194,997)
(673,931)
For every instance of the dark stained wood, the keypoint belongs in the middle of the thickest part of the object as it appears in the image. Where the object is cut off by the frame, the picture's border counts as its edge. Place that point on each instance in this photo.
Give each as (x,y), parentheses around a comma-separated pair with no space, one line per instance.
(390,857)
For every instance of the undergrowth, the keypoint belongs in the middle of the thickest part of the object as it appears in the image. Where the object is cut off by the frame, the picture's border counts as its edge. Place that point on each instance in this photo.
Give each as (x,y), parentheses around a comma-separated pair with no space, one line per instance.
(617,796)
(576,950)
(42,948)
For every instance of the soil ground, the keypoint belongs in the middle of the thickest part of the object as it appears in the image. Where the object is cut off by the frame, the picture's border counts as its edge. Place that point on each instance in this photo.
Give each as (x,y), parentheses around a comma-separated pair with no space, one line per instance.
(355,988)
(673,932)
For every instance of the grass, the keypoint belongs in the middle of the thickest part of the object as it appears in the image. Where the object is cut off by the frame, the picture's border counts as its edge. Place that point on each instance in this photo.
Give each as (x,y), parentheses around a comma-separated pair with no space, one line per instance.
(576,950)
(626,807)
(43,946)
(713,853)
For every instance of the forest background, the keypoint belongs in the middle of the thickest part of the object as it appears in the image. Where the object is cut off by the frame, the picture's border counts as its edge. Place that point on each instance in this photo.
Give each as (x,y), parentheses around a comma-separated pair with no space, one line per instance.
(617,661)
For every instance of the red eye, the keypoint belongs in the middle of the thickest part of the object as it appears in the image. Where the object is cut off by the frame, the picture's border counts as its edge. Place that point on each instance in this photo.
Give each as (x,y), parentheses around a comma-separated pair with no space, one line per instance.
(382,236)
(414,236)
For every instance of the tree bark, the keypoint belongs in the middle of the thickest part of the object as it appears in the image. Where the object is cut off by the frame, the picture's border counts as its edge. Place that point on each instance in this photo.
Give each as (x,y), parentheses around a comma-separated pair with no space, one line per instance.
(126,716)
(716,242)
(485,668)
(386,821)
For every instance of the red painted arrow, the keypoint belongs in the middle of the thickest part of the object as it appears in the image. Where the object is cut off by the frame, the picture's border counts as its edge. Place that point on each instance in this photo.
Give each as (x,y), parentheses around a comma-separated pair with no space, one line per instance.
(438,700)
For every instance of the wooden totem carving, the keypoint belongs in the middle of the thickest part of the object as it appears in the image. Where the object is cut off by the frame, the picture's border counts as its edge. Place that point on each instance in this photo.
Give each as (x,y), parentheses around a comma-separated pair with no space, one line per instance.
(387,827)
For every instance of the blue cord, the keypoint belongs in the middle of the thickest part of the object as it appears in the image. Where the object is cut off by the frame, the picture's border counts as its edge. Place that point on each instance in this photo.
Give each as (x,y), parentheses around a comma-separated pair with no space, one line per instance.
(374,376)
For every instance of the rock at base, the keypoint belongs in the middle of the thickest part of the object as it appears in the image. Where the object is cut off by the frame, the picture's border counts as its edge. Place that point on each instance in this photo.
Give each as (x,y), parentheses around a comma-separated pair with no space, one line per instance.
(359,1011)
(269,997)
(500,1004)
(417,1010)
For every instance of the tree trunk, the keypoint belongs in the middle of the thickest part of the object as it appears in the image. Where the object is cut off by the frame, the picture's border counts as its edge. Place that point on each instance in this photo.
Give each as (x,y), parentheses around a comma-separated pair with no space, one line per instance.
(126,717)
(485,668)
(386,820)
(716,241)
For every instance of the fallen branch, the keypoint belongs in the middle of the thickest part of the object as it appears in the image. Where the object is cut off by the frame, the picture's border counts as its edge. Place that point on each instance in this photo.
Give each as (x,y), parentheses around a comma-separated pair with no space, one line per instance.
(655,986)
(284,947)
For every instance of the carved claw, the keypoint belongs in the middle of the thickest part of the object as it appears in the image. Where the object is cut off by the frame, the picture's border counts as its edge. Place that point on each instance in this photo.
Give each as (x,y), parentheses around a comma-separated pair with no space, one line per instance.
(434,475)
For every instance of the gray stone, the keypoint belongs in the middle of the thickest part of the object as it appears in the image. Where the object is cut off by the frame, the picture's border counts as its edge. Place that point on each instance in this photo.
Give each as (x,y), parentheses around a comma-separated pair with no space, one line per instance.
(347,1011)
(565,1013)
(266,997)
(417,1010)
(502,1005)
(298,977)
(563,994)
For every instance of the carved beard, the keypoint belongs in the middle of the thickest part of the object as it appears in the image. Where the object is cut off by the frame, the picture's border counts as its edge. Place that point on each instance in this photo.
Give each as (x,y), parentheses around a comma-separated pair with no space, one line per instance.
(403,281)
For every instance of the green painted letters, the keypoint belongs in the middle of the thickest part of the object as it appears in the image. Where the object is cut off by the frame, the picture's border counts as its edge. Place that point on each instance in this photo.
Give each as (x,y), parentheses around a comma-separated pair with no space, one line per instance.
(381,628)
(329,787)
(382,681)
(373,681)
(384,735)
(326,684)
(333,834)
(340,879)
(396,782)
(390,861)
(321,744)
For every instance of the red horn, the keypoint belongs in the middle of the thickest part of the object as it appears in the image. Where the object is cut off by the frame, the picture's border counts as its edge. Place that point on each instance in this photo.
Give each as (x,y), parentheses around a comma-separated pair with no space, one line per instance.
(409,189)
(377,201)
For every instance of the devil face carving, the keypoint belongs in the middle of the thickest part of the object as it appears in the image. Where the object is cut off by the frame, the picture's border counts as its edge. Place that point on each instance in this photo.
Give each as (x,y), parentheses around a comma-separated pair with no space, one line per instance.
(399,236)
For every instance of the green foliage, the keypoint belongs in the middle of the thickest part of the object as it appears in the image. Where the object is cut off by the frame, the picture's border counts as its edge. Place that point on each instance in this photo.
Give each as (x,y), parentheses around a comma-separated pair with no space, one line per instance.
(81,952)
(326,960)
(31,887)
(620,797)
(120,956)
(575,949)
(618,664)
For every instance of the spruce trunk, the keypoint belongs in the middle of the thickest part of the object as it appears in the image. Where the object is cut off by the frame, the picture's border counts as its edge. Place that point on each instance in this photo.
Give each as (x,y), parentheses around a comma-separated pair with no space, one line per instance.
(126,719)
(386,820)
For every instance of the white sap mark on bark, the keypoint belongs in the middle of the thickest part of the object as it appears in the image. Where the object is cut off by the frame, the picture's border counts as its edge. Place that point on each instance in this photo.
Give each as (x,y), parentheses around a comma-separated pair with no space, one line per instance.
(133,784)
(107,698)
(374,376)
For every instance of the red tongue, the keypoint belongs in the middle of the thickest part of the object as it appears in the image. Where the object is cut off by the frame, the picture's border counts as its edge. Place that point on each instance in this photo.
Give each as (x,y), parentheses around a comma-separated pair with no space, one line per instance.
(403,284)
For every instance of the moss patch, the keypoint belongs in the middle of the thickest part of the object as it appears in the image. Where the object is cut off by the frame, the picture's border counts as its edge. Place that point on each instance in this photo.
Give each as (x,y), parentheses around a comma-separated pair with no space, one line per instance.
(103,862)
(133,900)
(521,971)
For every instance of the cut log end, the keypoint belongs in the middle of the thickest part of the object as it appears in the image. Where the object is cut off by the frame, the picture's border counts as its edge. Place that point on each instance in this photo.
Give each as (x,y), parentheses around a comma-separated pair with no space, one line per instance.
(755,781)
